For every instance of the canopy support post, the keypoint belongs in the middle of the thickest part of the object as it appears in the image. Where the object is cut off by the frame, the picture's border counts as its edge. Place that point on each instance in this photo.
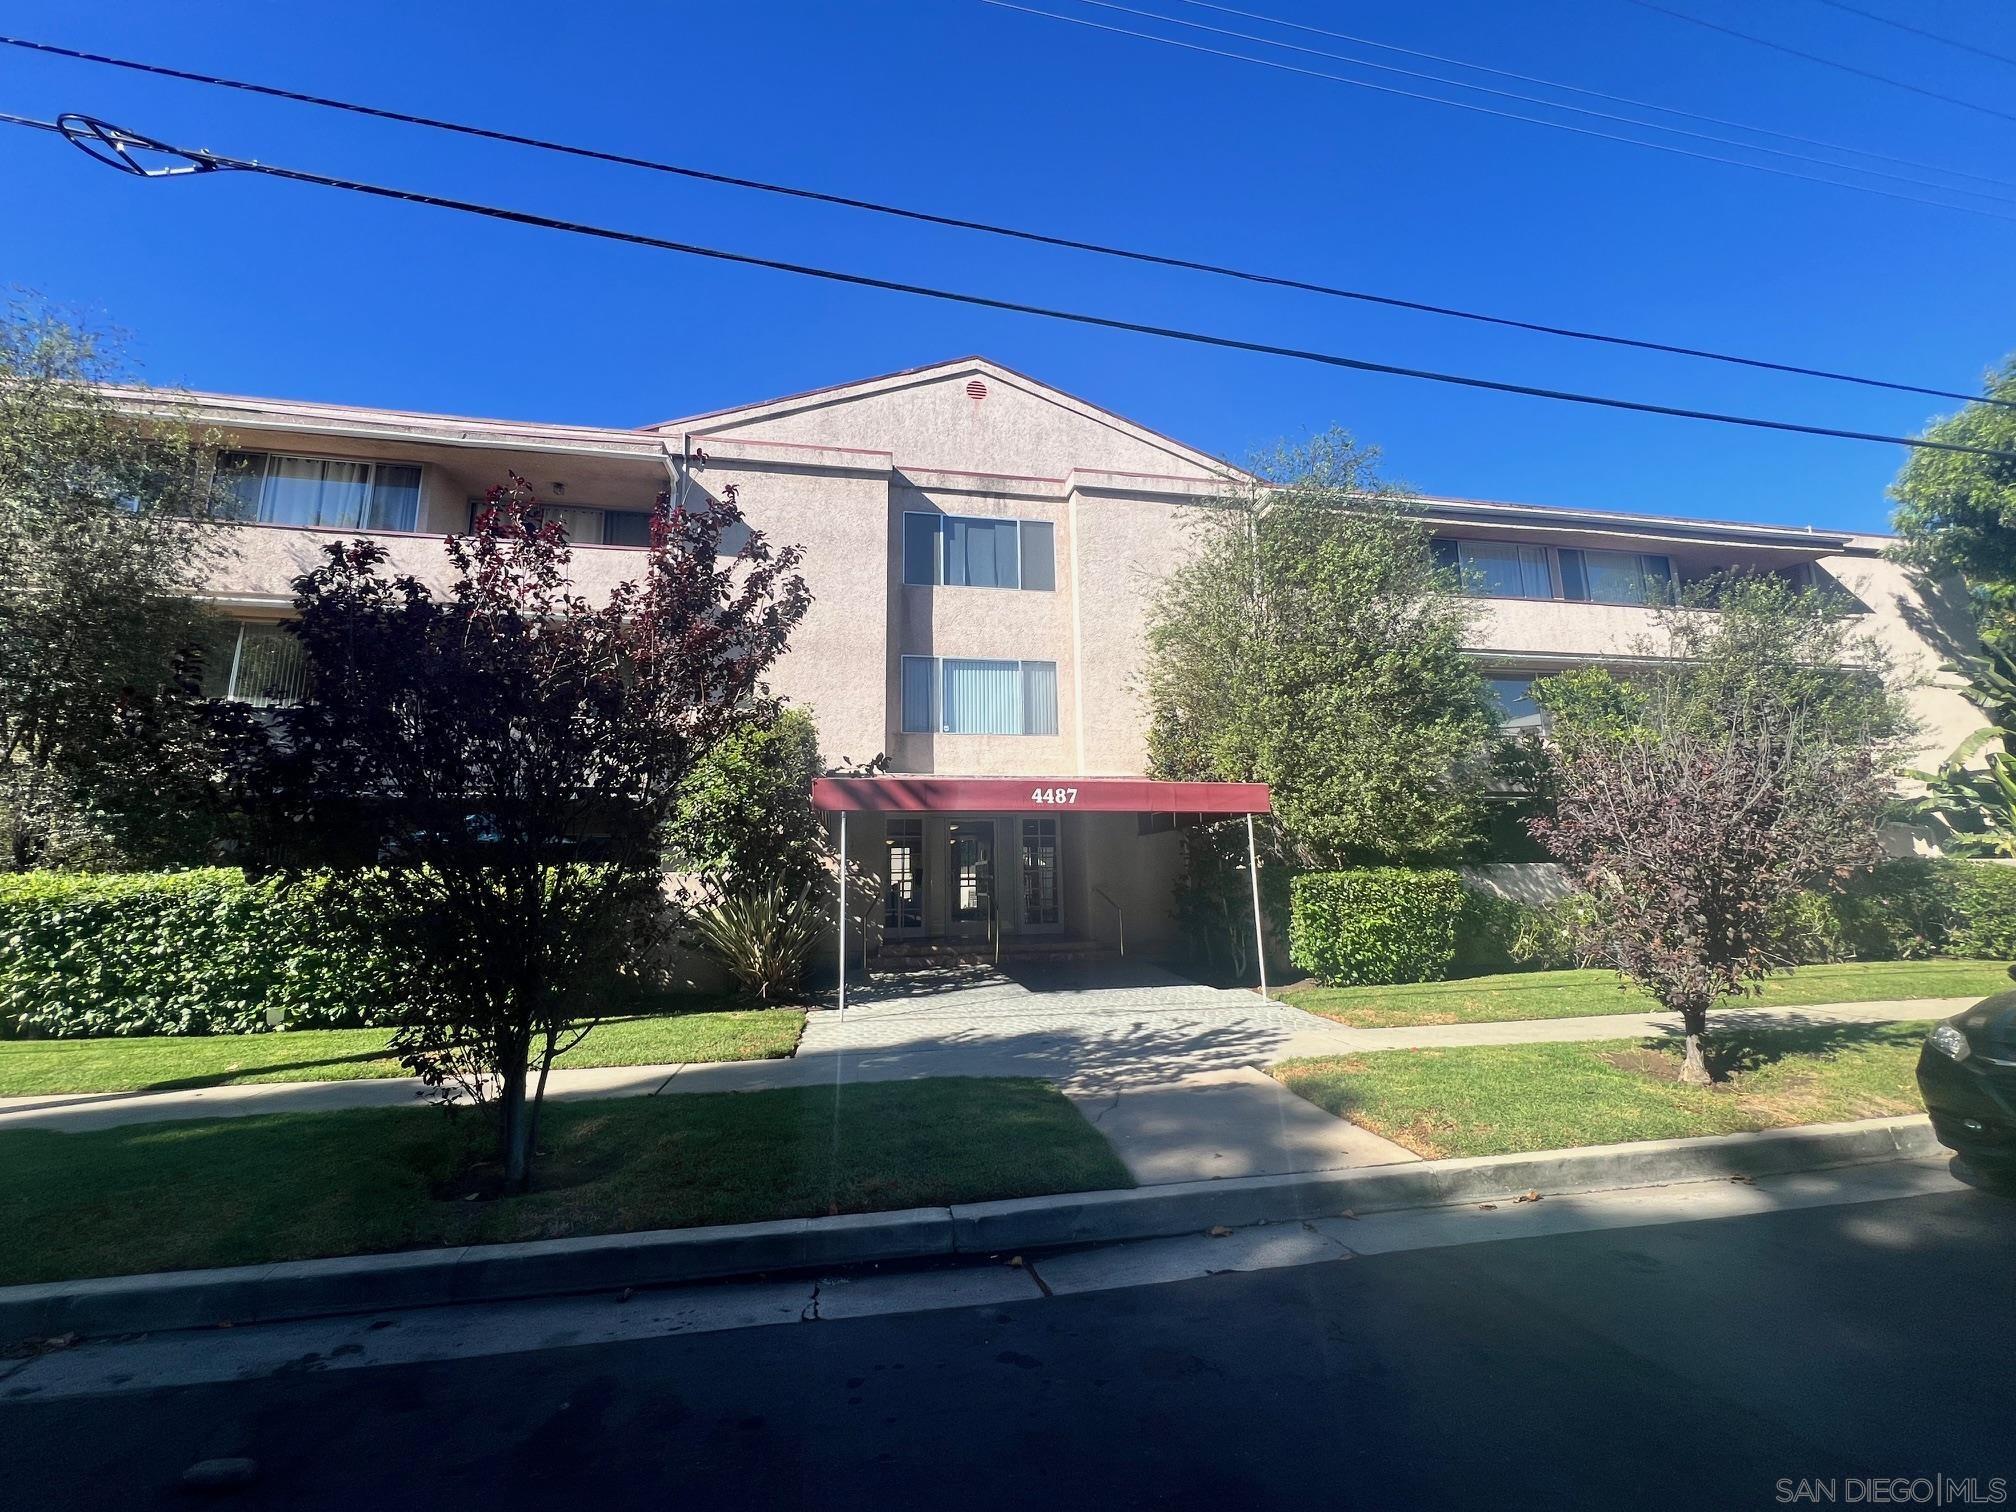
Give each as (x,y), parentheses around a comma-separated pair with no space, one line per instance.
(843,913)
(1259,929)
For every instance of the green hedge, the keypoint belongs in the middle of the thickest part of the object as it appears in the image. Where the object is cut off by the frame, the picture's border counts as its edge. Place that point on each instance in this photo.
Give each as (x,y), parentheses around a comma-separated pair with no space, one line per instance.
(195,952)
(1904,910)
(1984,922)
(1378,925)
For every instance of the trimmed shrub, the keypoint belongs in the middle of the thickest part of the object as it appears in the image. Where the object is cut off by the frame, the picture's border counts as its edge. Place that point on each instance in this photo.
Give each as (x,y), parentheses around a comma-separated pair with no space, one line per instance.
(1375,926)
(195,952)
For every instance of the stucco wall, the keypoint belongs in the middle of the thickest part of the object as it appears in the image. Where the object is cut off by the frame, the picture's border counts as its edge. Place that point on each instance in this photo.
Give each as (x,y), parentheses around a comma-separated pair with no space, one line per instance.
(1922,625)
(931,421)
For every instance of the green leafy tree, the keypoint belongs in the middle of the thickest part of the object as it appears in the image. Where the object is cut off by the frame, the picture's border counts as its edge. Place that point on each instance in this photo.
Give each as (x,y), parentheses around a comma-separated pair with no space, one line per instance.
(1310,642)
(100,746)
(744,818)
(1956,512)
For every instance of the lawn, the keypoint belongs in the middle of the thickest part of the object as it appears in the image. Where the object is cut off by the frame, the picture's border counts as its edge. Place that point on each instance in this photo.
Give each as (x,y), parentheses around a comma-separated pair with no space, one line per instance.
(234,1191)
(1579,994)
(168,1062)
(1499,1099)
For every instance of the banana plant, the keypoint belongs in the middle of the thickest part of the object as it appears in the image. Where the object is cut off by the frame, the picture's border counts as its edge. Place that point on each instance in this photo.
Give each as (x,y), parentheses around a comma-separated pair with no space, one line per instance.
(1976,805)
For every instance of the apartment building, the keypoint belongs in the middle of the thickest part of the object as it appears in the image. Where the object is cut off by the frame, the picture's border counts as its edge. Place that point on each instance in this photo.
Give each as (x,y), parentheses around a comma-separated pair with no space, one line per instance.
(983,550)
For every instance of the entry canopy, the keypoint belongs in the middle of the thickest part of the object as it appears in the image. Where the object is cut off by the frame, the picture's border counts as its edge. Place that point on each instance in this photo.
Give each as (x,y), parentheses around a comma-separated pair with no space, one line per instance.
(1035,795)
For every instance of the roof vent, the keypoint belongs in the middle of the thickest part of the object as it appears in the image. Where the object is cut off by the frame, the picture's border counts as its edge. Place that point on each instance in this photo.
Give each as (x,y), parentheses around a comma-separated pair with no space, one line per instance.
(976,391)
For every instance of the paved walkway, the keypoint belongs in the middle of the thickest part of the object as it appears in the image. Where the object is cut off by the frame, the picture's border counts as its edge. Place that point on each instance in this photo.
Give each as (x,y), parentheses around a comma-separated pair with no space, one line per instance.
(1167,1069)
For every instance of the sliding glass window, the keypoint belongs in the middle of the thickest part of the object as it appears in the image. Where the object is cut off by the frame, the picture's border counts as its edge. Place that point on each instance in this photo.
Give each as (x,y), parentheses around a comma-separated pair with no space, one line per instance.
(970,696)
(256,664)
(282,490)
(1498,569)
(961,551)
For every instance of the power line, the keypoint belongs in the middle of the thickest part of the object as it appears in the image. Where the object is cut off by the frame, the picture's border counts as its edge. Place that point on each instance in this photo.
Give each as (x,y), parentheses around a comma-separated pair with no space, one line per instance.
(1919,31)
(1598,94)
(989,228)
(1863,73)
(116,147)
(1508,115)
(1543,103)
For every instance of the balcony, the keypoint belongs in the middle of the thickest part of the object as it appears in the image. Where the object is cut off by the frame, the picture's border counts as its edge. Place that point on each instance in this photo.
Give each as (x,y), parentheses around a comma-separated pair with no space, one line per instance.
(260,562)
(1546,629)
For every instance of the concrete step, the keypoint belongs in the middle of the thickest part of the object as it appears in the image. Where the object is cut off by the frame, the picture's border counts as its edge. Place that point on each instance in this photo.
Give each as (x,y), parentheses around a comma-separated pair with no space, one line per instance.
(899,955)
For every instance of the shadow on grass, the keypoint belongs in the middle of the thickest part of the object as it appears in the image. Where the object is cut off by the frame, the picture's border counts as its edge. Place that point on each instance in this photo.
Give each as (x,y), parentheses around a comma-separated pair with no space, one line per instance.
(1739,1043)
(262,1072)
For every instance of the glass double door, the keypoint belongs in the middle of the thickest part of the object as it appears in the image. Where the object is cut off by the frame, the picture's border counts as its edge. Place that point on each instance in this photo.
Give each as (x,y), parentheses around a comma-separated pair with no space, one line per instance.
(941,877)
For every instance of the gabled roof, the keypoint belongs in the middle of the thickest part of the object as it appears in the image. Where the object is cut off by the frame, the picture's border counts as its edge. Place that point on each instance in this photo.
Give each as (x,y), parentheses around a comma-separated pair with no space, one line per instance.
(716,421)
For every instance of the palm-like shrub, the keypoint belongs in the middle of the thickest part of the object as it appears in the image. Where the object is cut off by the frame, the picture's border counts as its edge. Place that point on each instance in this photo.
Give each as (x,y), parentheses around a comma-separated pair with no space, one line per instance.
(764,938)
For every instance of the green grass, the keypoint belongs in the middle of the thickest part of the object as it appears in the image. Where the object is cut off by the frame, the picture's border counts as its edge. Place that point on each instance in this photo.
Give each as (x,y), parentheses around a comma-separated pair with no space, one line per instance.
(236,1191)
(1499,1099)
(1579,994)
(164,1063)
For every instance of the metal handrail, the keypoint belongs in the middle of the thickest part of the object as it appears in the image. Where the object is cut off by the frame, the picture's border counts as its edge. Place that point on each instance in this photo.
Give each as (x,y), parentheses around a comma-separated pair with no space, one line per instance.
(1120,915)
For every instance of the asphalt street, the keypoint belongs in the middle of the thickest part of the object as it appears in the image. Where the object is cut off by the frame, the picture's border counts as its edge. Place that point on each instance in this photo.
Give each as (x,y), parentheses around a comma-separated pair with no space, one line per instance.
(1678,1364)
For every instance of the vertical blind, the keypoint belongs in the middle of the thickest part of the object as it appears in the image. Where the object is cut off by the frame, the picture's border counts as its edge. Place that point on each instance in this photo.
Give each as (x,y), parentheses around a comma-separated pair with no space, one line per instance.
(965,696)
(982,697)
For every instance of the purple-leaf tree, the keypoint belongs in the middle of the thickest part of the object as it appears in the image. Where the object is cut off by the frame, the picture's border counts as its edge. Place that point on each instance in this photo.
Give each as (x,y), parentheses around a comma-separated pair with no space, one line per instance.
(483,774)
(1687,839)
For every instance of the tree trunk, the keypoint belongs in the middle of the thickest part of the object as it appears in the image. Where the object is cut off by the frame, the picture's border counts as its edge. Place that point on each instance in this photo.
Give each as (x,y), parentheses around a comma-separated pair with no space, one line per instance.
(1695,1022)
(517,1126)
(539,1096)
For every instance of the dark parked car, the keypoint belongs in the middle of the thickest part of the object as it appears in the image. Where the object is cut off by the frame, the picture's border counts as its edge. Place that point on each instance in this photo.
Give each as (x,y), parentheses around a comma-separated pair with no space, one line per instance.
(1967,1074)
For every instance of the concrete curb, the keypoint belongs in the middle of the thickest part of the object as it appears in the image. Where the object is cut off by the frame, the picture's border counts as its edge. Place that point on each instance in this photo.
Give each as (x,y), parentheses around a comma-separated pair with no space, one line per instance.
(501,1272)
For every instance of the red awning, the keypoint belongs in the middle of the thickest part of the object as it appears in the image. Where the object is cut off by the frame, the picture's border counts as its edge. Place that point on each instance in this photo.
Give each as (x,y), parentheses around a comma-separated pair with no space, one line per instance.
(1035,795)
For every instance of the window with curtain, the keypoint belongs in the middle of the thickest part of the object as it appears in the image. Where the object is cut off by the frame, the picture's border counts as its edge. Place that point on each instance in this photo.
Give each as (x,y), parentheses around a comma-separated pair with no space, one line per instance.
(968,696)
(1498,569)
(1617,577)
(276,489)
(626,527)
(260,665)
(964,552)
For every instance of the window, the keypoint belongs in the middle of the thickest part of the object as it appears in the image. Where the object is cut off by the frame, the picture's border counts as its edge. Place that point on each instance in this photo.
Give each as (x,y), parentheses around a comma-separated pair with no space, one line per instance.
(1498,569)
(1616,577)
(920,701)
(1513,693)
(626,527)
(284,490)
(967,696)
(589,525)
(1506,569)
(260,665)
(964,552)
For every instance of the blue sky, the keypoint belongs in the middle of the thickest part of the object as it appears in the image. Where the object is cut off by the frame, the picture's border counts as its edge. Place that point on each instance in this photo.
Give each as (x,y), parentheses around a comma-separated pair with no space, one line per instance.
(256,286)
